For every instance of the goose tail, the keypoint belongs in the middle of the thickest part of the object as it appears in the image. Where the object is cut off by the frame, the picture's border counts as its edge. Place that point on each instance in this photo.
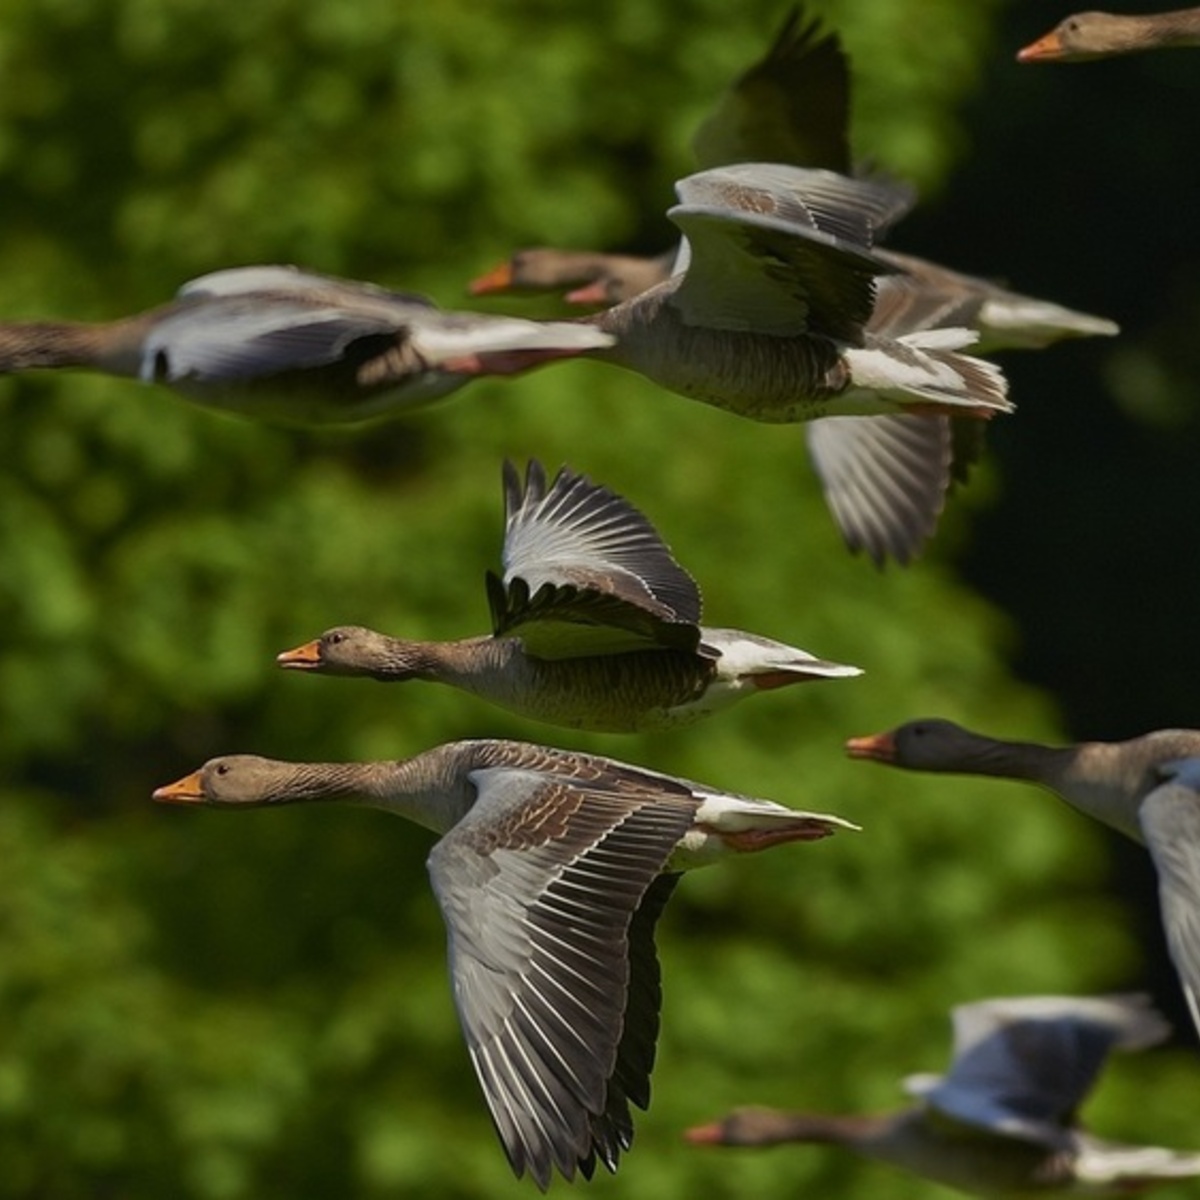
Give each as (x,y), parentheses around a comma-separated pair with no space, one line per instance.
(926,371)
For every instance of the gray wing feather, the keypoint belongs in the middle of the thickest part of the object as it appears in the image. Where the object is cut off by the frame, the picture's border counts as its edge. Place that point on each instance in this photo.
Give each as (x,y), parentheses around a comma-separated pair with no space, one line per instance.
(839,209)
(240,338)
(780,250)
(287,280)
(540,885)
(884,478)
(1023,1066)
(1170,821)
(586,572)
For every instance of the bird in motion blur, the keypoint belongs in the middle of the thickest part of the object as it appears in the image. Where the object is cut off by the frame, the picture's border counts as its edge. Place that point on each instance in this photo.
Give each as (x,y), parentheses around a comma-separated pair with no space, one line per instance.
(278,343)
(1002,1122)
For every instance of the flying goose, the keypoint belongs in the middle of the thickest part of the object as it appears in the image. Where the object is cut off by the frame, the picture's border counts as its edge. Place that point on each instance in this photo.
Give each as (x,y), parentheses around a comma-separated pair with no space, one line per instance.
(771,319)
(1147,788)
(594,624)
(1089,35)
(283,344)
(1002,1121)
(551,872)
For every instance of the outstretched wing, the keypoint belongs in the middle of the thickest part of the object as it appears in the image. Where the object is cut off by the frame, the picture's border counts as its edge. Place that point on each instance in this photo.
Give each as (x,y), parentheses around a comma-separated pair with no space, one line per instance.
(791,106)
(884,478)
(548,887)
(586,573)
(238,338)
(782,250)
(1023,1066)
(1170,821)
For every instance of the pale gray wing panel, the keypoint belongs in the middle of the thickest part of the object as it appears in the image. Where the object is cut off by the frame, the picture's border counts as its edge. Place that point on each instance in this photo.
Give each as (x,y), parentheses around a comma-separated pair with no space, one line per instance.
(884,478)
(240,339)
(1170,821)
(539,885)
(1023,1066)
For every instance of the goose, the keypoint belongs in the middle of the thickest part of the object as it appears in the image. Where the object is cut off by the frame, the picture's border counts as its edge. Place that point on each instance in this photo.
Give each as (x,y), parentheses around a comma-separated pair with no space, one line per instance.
(886,482)
(1089,35)
(551,871)
(283,344)
(770,320)
(594,624)
(1001,1122)
(1147,788)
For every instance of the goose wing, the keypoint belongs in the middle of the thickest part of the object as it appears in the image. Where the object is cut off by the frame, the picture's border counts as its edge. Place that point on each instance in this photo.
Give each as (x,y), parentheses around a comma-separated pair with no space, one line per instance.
(241,281)
(1170,821)
(550,890)
(586,573)
(885,478)
(782,250)
(791,106)
(1022,1066)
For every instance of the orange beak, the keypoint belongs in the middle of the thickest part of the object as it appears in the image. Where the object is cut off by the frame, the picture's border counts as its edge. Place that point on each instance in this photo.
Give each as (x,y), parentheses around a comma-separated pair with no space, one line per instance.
(498,280)
(879,747)
(1045,49)
(303,658)
(187,790)
(703,1135)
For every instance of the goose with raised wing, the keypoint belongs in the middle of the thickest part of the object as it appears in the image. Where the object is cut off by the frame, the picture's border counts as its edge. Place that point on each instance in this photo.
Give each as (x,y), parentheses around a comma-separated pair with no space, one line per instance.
(770,320)
(551,872)
(1089,35)
(1147,788)
(283,344)
(1002,1122)
(594,624)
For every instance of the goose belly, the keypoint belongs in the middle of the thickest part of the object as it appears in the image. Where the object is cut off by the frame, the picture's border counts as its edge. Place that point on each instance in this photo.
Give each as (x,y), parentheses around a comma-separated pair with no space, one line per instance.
(618,693)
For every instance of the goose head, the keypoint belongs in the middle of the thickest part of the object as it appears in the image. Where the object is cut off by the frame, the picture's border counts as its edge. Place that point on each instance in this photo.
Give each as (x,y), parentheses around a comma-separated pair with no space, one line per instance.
(356,650)
(241,779)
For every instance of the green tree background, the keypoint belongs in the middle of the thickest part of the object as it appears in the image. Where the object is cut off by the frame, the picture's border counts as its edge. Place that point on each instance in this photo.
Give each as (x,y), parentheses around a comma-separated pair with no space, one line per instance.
(215,1005)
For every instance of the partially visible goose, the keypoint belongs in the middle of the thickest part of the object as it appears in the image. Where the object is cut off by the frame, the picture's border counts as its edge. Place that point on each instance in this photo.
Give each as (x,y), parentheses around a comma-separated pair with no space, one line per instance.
(1003,319)
(594,624)
(1147,788)
(285,344)
(1002,1122)
(551,873)
(1090,35)
(790,106)
(586,276)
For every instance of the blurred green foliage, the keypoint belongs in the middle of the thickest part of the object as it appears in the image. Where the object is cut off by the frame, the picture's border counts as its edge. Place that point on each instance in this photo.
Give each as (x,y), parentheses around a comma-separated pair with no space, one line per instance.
(213,1006)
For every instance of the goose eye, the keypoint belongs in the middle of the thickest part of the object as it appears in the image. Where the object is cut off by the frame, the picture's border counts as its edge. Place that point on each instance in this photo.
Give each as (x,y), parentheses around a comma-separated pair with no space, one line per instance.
(335,639)
(222,769)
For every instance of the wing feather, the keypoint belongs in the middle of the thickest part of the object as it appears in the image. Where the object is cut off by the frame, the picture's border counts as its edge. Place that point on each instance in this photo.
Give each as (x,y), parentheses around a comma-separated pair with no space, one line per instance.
(543,886)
